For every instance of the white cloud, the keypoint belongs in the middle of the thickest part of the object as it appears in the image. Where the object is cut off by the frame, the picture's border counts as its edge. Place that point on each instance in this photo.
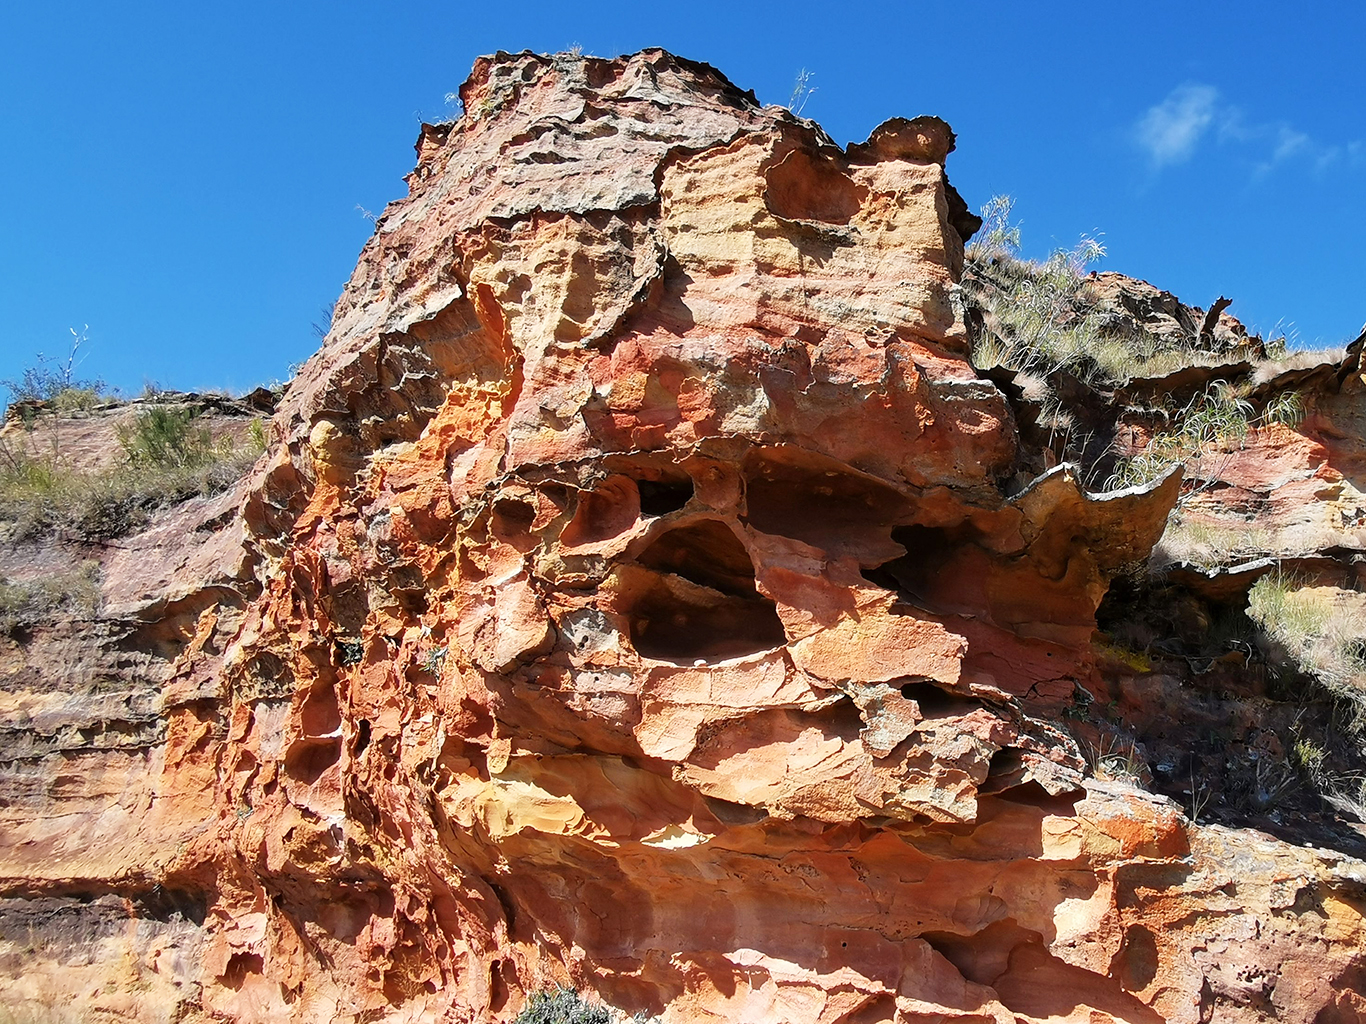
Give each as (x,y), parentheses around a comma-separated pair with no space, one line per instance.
(1170,131)
(1284,142)
(1288,143)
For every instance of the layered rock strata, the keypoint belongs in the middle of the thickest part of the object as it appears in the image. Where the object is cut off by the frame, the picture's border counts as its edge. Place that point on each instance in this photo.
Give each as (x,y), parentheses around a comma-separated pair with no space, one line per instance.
(634,597)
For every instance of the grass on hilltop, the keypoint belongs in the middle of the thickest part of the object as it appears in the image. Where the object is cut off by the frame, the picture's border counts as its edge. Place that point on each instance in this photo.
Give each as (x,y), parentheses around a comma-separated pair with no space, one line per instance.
(1043,316)
(166,457)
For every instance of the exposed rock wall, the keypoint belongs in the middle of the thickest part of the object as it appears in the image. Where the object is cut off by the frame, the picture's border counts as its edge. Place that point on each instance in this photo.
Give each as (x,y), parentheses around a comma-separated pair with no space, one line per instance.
(632,597)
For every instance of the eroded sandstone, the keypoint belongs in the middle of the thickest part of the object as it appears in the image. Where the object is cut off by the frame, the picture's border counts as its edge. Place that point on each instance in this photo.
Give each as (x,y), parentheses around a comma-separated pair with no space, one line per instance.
(634,595)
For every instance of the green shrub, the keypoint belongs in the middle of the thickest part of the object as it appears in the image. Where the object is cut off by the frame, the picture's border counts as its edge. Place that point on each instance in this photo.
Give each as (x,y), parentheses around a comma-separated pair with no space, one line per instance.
(349,651)
(258,437)
(1046,321)
(562,1006)
(166,436)
(434,660)
(1310,757)
(73,400)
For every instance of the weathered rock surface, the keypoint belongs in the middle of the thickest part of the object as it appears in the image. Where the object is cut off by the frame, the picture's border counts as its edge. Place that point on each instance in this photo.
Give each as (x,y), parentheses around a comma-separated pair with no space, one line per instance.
(631,597)
(1131,307)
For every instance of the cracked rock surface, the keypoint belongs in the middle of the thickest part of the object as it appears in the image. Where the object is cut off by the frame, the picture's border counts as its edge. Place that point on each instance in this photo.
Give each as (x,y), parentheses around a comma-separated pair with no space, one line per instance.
(630,599)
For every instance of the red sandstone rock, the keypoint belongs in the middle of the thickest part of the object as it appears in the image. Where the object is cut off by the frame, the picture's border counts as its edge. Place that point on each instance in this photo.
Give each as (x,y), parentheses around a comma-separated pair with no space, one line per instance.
(631,599)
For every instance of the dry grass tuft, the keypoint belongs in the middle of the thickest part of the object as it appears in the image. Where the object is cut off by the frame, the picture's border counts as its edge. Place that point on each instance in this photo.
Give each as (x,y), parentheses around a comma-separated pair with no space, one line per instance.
(1322,631)
(1211,544)
(1114,760)
(167,458)
(75,592)
(1217,419)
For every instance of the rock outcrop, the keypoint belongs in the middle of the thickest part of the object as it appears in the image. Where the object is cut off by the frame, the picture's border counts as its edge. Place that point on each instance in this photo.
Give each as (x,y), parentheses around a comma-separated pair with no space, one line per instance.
(635,595)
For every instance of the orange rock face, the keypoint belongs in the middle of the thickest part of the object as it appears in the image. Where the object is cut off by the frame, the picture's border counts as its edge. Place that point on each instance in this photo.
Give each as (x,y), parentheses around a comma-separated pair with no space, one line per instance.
(630,600)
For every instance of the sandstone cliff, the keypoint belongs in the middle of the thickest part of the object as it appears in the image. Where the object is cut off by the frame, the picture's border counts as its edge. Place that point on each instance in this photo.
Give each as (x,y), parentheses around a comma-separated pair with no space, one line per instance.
(643,591)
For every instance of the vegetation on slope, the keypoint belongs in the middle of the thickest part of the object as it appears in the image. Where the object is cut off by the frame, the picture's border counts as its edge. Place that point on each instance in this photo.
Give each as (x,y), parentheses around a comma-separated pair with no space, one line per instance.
(166,457)
(85,468)
(1125,382)
(1319,629)
(1042,317)
(565,1006)
(1089,353)
(74,592)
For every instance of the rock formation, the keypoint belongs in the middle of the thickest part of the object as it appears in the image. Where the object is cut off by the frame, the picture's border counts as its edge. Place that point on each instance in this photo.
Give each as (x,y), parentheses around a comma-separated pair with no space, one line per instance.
(643,592)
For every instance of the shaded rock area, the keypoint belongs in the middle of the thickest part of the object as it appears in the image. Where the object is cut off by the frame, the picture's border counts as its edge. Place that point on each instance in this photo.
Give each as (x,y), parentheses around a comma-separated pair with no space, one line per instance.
(642,591)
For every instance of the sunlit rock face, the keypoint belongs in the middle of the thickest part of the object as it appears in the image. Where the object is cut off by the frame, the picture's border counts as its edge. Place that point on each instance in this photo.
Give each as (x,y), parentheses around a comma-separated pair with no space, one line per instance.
(631,598)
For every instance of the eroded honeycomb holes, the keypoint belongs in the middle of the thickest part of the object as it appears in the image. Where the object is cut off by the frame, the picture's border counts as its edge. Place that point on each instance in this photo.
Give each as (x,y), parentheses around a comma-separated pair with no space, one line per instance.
(608,510)
(1008,779)
(319,743)
(915,576)
(700,602)
(511,521)
(820,501)
(661,497)
(936,702)
(618,502)
(1016,963)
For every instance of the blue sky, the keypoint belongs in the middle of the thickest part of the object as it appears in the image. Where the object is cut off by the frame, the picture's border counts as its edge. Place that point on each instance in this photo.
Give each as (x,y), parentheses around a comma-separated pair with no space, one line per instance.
(189,179)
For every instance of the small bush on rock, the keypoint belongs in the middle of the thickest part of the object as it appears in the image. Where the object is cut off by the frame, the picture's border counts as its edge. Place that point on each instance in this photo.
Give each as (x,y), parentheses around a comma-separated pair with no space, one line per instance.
(562,1006)
(23,603)
(55,381)
(164,436)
